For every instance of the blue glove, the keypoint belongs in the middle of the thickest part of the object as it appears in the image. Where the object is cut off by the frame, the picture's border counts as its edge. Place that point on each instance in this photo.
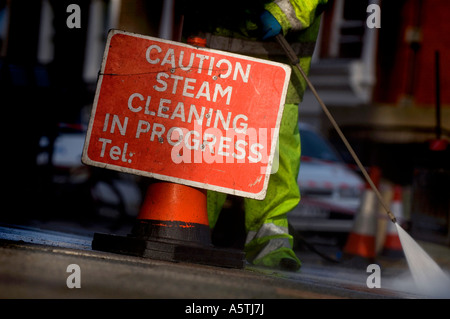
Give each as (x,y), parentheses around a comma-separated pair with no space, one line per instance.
(270,26)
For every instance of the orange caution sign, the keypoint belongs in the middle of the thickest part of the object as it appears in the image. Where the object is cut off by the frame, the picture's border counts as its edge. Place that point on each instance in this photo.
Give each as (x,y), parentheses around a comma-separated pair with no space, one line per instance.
(188,115)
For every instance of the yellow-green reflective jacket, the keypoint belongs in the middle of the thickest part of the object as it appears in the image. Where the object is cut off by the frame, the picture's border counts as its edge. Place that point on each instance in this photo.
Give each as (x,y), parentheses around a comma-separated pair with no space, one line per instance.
(234,26)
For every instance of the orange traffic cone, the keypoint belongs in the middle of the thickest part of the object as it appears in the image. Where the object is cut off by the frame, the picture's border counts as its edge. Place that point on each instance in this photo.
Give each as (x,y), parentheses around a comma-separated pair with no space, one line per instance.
(361,240)
(174,212)
(172,225)
(392,245)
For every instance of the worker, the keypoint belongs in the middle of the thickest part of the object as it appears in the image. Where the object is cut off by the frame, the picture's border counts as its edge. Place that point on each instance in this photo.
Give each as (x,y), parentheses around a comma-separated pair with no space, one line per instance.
(268,242)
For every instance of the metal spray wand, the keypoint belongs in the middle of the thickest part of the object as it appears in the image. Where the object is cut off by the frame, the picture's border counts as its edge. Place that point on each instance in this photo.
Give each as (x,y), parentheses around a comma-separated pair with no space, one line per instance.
(295,61)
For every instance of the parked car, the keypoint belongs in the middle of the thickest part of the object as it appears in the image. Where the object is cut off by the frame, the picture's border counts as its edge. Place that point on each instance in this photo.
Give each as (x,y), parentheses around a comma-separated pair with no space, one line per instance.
(102,193)
(330,190)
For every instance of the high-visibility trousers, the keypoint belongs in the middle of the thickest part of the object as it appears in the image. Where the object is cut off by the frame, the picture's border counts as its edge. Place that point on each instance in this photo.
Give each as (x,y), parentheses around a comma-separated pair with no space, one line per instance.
(268,240)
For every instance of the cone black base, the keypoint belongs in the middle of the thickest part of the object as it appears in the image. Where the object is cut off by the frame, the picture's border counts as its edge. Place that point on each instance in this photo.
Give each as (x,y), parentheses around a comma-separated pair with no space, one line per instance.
(165,230)
(169,250)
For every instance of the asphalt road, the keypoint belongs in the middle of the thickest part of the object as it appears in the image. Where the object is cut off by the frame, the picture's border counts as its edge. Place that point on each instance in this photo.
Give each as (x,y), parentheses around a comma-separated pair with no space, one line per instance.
(34,264)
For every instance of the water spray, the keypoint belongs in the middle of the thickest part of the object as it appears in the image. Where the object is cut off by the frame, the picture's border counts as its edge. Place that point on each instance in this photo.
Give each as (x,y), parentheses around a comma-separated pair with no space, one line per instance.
(295,61)
(428,276)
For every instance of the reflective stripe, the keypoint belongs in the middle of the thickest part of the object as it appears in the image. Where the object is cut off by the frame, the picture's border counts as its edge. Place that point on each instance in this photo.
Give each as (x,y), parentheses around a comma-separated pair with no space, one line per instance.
(273,245)
(288,9)
(266,230)
(248,47)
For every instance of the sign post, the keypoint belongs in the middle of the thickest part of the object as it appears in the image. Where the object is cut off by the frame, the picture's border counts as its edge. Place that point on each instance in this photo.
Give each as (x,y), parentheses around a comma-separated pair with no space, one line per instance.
(193,116)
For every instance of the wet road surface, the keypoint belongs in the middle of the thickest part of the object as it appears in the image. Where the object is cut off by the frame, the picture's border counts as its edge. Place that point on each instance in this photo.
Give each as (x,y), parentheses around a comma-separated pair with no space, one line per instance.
(34,264)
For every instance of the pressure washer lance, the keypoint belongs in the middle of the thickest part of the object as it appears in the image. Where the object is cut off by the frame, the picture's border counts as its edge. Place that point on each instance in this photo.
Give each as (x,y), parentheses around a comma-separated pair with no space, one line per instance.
(295,61)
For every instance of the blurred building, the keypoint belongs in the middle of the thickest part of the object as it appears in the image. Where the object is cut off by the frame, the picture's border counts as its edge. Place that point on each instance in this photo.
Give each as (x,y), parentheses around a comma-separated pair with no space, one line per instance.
(380,83)
(389,89)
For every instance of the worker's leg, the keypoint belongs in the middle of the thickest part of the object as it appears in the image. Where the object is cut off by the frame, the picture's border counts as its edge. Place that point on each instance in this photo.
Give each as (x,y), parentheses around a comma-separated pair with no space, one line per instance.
(268,242)
(215,201)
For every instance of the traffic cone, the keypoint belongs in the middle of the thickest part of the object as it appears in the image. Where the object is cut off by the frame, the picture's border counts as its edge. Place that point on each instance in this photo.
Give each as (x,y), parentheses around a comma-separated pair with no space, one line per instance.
(361,240)
(392,245)
(174,212)
(172,225)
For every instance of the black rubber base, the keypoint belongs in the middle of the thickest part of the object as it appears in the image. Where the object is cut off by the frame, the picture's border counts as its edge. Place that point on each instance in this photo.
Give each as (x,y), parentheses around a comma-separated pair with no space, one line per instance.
(169,250)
